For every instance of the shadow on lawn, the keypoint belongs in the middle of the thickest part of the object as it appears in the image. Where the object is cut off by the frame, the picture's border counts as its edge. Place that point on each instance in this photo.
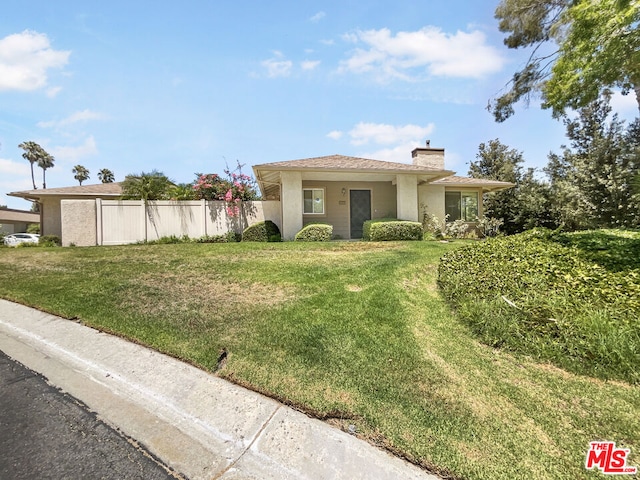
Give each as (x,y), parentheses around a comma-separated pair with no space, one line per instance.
(608,249)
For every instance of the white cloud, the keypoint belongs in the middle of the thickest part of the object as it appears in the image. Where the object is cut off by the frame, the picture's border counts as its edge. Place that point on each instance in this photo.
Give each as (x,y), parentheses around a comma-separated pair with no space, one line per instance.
(413,55)
(335,134)
(9,167)
(277,66)
(53,91)
(310,64)
(383,134)
(25,59)
(400,153)
(81,116)
(73,154)
(317,17)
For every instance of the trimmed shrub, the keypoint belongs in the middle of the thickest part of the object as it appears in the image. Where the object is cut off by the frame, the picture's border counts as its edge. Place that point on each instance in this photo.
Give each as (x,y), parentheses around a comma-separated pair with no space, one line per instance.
(366,226)
(395,230)
(229,237)
(315,232)
(266,231)
(50,241)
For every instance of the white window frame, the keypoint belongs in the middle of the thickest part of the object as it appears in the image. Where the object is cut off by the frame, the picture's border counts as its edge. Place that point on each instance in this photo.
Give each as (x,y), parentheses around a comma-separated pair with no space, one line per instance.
(312,190)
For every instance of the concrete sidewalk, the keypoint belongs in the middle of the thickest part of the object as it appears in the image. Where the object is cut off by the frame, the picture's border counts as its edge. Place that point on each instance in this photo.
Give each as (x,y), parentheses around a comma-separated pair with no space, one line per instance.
(198,424)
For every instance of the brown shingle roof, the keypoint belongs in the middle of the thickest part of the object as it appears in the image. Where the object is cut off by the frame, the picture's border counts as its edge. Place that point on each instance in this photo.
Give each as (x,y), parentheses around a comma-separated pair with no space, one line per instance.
(345,163)
(98,190)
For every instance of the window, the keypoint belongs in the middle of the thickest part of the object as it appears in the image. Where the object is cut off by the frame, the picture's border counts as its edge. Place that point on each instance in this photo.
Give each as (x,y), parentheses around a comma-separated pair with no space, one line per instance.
(313,201)
(461,206)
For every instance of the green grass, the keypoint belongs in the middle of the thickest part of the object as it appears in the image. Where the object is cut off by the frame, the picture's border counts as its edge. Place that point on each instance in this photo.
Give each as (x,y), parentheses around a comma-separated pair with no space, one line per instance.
(354,333)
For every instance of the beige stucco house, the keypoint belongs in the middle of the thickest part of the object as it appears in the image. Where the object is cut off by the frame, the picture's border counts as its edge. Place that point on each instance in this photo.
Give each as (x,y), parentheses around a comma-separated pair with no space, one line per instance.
(50,199)
(15,221)
(339,190)
(346,191)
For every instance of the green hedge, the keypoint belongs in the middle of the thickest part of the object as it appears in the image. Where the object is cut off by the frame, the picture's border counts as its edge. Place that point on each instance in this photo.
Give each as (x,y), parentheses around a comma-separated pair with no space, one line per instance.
(366,226)
(50,240)
(315,232)
(394,230)
(571,299)
(266,231)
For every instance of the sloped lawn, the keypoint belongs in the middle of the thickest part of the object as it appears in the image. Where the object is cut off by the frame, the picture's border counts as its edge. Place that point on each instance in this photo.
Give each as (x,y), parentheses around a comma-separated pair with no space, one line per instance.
(355,333)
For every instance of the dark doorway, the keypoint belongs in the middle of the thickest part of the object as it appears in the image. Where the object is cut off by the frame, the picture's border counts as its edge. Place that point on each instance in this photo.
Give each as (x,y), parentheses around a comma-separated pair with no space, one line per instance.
(360,208)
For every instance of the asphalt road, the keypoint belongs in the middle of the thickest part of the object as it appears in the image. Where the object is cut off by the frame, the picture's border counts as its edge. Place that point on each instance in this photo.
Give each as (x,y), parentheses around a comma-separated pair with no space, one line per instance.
(47,434)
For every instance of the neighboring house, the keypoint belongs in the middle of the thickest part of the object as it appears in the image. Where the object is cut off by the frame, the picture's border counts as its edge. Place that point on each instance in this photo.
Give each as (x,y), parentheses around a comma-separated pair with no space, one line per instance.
(347,191)
(15,221)
(50,201)
(338,190)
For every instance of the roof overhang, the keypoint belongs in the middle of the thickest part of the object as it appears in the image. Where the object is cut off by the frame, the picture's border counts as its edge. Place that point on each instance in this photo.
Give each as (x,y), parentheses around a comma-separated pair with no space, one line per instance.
(269,178)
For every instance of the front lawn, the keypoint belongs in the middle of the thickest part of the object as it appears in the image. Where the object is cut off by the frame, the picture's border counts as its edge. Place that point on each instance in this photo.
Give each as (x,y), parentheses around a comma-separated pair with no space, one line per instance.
(354,333)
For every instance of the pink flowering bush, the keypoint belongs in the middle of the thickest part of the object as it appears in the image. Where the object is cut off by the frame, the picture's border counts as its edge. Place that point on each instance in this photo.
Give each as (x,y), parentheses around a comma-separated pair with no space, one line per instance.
(233,190)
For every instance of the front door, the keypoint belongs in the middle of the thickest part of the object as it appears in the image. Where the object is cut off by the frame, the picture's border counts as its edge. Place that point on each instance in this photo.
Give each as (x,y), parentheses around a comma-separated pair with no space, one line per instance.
(360,208)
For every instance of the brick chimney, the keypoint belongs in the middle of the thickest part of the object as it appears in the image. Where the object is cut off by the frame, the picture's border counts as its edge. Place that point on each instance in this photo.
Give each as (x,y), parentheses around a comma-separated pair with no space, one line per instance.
(428,157)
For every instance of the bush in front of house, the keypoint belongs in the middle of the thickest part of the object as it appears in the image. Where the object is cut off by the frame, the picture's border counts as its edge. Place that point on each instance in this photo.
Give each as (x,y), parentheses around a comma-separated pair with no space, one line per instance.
(266,231)
(50,241)
(315,232)
(366,226)
(395,230)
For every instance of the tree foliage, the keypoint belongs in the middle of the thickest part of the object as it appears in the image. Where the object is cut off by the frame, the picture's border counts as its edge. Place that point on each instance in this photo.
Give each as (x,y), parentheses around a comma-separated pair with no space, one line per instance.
(522,207)
(35,154)
(592,181)
(580,49)
(147,186)
(80,173)
(106,176)
(235,188)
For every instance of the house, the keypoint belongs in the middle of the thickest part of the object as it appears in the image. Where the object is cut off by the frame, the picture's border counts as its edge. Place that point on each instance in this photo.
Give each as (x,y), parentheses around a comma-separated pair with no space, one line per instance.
(336,189)
(50,200)
(14,221)
(346,191)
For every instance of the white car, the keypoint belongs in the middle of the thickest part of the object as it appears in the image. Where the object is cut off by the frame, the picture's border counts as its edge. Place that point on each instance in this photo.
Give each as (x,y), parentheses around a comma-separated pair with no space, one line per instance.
(16,238)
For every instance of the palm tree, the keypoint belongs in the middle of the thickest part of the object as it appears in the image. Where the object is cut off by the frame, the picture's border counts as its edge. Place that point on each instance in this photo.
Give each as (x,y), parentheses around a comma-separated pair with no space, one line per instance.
(182,191)
(32,152)
(80,173)
(106,176)
(146,186)
(45,161)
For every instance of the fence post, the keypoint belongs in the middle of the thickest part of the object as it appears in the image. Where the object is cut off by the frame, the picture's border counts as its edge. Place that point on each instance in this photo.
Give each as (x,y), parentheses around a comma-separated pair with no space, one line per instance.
(143,204)
(99,221)
(203,204)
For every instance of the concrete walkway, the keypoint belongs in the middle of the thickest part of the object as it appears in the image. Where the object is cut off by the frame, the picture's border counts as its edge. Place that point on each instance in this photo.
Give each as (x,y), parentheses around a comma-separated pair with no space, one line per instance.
(198,424)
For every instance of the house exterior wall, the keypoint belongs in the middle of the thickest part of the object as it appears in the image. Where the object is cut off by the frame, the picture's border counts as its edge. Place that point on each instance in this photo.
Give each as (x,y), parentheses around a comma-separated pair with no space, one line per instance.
(407,197)
(383,203)
(431,199)
(291,198)
(51,220)
(78,222)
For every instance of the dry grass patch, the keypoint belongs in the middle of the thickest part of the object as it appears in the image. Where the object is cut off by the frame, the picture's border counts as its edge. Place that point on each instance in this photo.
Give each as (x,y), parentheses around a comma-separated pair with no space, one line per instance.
(207,291)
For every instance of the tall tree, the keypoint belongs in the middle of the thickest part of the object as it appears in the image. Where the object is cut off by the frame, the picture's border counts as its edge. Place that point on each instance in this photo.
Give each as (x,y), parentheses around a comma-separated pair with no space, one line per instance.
(80,173)
(522,207)
(580,49)
(592,181)
(106,176)
(147,186)
(32,153)
(45,161)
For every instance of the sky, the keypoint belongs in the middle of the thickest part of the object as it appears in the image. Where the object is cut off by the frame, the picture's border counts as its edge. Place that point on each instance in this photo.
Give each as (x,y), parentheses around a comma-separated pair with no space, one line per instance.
(194,86)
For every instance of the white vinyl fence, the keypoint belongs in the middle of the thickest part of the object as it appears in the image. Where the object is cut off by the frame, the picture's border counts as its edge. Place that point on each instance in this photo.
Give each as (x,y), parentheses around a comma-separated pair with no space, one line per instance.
(117,222)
